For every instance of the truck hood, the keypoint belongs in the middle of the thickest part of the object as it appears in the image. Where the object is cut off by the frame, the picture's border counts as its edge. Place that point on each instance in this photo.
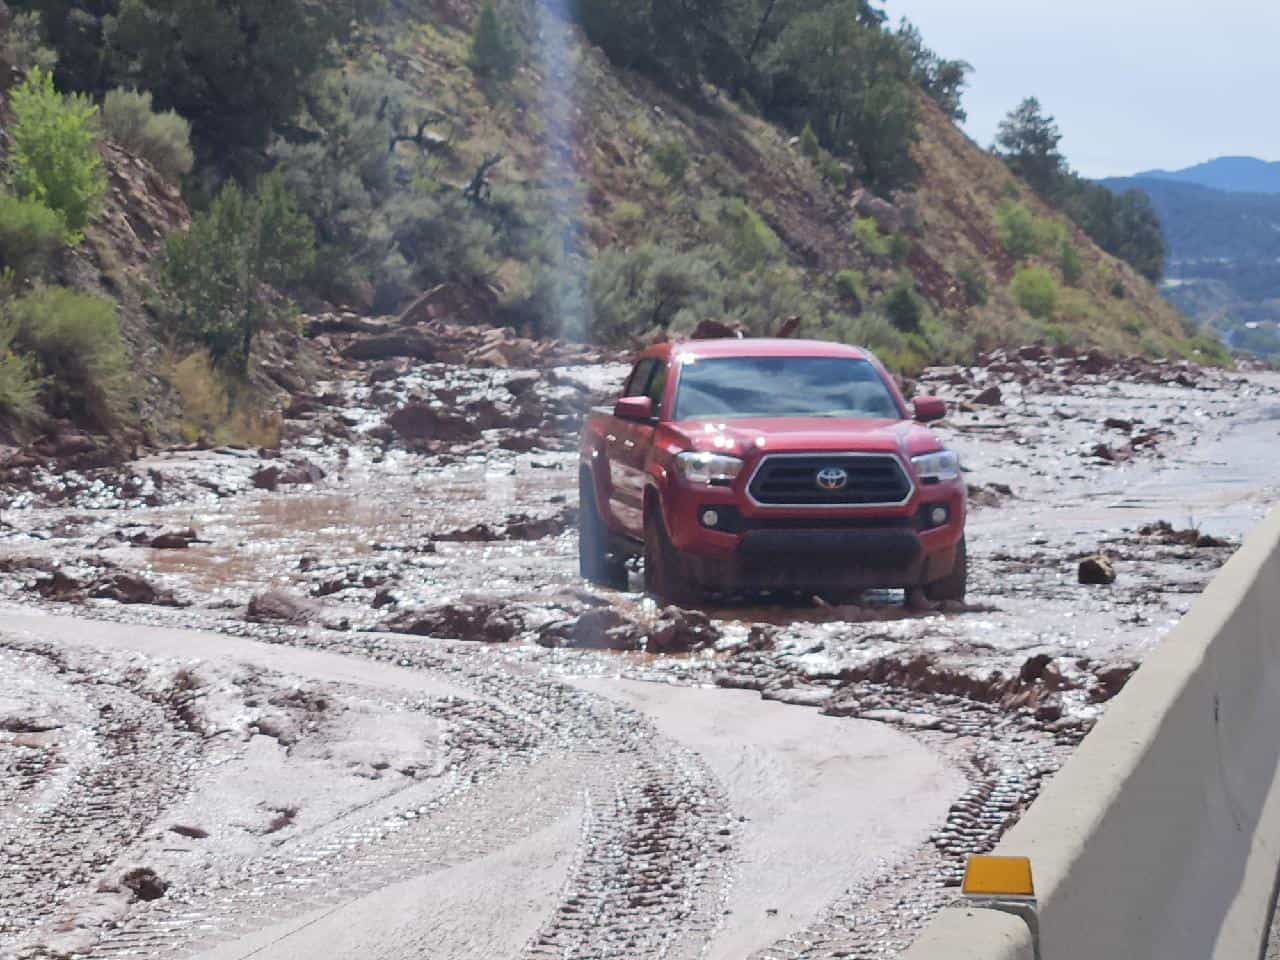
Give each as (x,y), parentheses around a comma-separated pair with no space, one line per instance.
(744,438)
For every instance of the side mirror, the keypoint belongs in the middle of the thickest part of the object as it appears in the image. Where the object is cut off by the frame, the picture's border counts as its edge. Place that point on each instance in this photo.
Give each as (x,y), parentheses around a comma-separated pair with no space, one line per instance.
(634,408)
(929,409)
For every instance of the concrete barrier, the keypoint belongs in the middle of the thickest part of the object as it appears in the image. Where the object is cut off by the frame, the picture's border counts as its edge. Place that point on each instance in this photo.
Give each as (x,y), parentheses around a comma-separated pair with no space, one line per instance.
(1160,837)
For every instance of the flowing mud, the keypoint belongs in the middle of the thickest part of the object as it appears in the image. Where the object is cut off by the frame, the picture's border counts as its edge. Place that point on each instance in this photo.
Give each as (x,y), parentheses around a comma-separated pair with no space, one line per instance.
(350,697)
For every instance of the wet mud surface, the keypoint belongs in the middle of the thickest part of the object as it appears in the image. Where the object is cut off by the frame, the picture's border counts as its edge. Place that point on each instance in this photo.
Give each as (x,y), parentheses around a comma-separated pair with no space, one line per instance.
(419,521)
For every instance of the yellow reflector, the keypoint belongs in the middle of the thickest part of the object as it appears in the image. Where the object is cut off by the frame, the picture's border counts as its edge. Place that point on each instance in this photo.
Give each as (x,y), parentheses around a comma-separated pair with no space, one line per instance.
(998,877)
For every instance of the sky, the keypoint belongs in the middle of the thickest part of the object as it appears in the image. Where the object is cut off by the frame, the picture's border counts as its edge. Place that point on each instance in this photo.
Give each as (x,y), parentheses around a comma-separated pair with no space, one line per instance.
(1133,84)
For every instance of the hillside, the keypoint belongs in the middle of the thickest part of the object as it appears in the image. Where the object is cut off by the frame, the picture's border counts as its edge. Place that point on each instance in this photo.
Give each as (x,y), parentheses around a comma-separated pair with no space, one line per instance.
(552,190)
(953,253)
(1223,254)
(1229,174)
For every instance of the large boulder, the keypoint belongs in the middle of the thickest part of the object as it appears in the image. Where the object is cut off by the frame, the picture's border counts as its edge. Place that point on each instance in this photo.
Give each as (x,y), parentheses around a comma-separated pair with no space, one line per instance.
(888,217)
(421,421)
(401,343)
(280,606)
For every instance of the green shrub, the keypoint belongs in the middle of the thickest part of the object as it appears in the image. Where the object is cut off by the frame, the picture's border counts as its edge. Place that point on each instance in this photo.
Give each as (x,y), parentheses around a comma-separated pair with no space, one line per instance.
(751,242)
(865,231)
(493,46)
(30,234)
(632,291)
(1069,259)
(18,383)
(672,160)
(216,270)
(809,145)
(832,170)
(900,247)
(162,138)
(852,286)
(1035,291)
(1117,289)
(973,281)
(1017,231)
(904,307)
(23,46)
(75,340)
(53,156)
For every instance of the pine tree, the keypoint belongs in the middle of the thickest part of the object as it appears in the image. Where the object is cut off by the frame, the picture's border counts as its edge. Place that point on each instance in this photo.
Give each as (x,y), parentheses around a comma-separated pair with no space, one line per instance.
(493,48)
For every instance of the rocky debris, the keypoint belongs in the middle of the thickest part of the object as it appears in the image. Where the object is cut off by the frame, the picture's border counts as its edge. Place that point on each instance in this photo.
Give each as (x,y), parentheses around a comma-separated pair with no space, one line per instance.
(168,540)
(422,421)
(888,217)
(717,330)
(517,526)
(1164,532)
(989,495)
(281,606)
(990,397)
(1112,679)
(400,343)
(674,630)
(129,588)
(188,831)
(144,883)
(474,304)
(487,623)
(1097,571)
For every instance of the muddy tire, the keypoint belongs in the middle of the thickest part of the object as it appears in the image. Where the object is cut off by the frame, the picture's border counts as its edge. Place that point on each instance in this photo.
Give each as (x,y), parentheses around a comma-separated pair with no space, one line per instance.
(594,560)
(664,575)
(955,584)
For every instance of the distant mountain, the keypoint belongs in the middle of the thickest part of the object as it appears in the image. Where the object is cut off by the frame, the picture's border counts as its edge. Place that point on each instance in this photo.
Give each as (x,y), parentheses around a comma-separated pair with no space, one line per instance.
(1229,174)
(1223,254)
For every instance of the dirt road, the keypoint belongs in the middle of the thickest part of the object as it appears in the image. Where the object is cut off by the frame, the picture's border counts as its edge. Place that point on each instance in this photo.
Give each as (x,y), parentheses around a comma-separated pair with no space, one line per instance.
(340,767)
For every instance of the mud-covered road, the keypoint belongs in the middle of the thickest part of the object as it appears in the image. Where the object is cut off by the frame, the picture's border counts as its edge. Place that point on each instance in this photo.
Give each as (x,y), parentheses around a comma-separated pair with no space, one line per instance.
(349,698)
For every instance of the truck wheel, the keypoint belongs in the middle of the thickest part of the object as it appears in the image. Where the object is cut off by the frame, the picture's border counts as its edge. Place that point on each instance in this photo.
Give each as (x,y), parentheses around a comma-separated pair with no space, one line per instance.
(663,573)
(954,585)
(594,562)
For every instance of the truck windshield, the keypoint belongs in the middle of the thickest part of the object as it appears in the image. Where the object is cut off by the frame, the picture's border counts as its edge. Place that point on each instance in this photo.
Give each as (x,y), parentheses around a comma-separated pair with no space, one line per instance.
(729,387)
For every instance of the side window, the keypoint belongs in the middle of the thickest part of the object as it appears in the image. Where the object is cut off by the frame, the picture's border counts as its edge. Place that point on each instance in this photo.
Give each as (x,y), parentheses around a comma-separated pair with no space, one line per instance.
(638,382)
(657,386)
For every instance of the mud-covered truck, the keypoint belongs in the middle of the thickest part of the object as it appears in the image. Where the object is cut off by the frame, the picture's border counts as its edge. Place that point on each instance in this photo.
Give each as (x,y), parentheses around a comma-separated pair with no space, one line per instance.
(743,465)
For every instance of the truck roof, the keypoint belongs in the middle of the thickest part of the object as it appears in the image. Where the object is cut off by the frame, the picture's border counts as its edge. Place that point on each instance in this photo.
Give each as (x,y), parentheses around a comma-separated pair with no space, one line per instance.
(758,347)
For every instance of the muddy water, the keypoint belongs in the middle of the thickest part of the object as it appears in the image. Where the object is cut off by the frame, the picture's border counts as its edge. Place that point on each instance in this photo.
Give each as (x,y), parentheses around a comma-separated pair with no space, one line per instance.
(999,692)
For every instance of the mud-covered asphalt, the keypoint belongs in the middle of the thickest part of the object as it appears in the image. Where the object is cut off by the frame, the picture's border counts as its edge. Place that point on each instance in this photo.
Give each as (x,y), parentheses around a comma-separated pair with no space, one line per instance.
(406,728)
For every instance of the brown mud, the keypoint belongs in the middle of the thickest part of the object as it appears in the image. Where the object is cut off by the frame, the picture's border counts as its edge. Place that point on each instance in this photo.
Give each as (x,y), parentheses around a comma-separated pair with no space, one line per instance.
(421,513)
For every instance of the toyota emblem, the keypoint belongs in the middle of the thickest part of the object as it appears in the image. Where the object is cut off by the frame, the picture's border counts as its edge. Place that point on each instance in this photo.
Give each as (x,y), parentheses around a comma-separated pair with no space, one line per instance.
(832,478)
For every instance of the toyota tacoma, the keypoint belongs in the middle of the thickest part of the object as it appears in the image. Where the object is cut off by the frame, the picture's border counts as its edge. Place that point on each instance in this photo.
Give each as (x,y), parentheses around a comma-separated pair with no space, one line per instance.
(744,465)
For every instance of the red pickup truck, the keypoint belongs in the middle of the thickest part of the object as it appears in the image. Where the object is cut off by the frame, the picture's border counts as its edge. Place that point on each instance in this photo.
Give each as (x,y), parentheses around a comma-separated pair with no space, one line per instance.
(747,465)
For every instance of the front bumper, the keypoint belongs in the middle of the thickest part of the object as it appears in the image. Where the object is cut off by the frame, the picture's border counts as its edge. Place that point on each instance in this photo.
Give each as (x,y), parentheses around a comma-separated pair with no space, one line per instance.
(754,548)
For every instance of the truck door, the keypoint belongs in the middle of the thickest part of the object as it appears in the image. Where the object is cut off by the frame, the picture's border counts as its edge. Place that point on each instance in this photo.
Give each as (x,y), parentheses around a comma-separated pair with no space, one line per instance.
(629,444)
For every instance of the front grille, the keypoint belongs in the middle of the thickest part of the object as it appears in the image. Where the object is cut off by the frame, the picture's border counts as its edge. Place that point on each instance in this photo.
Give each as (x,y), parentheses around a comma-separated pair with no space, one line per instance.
(793,481)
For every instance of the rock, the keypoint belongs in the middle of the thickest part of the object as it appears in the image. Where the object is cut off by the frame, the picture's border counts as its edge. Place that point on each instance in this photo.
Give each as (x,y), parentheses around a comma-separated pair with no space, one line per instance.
(173,540)
(888,217)
(401,343)
(716,330)
(1097,571)
(131,589)
(301,472)
(144,883)
(59,586)
(280,606)
(790,326)
(421,421)
(522,383)
(990,397)
(681,630)
(267,478)
(473,304)
(193,833)
(1112,679)
(459,621)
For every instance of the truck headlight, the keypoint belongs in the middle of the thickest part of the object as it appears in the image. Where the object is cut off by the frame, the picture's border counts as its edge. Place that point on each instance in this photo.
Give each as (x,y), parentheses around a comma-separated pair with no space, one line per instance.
(936,467)
(708,468)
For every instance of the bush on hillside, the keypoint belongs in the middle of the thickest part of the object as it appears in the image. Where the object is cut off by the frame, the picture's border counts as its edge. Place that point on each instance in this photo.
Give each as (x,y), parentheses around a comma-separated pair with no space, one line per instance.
(904,307)
(1023,234)
(19,385)
(1035,290)
(1069,260)
(30,234)
(973,281)
(162,138)
(672,160)
(23,47)
(630,292)
(865,232)
(53,153)
(75,340)
(493,46)
(852,286)
(216,271)
(809,144)
(750,241)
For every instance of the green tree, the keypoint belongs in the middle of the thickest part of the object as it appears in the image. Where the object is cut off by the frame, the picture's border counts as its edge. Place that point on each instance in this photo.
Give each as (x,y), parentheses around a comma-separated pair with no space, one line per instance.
(1028,140)
(493,46)
(904,307)
(943,80)
(53,155)
(1035,291)
(216,271)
